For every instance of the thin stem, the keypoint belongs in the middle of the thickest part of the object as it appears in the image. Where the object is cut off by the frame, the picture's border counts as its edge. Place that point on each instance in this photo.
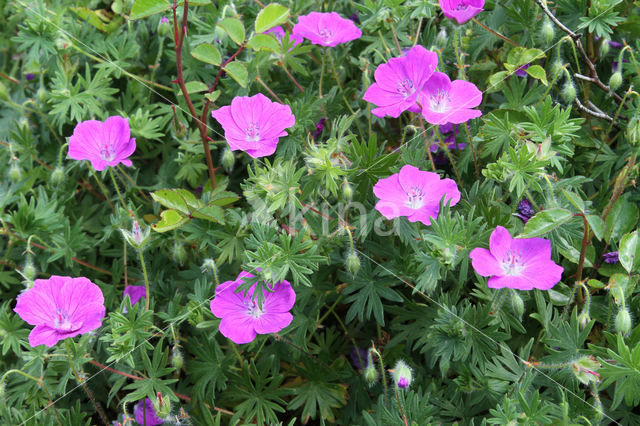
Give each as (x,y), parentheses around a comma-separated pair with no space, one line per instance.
(293,80)
(473,151)
(448,152)
(395,38)
(382,373)
(146,280)
(263,84)
(235,349)
(404,417)
(495,33)
(321,76)
(426,142)
(583,253)
(205,108)
(115,184)
(103,189)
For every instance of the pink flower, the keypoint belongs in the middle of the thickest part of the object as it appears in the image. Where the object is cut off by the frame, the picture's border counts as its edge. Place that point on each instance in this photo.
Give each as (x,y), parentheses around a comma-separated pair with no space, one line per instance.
(146,414)
(414,194)
(60,307)
(399,82)
(242,317)
(326,29)
(279,33)
(461,10)
(254,124)
(523,263)
(135,292)
(443,100)
(104,144)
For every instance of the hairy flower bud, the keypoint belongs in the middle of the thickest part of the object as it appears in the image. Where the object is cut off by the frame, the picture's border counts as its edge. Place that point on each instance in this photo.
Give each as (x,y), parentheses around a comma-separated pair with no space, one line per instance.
(162,406)
(370,374)
(164,27)
(402,374)
(228,160)
(347,190)
(568,92)
(29,270)
(583,319)
(138,238)
(585,370)
(441,38)
(41,95)
(556,68)
(615,81)
(57,176)
(353,263)
(547,31)
(178,253)
(633,130)
(15,172)
(604,48)
(177,360)
(623,321)
(517,305)
(209,265)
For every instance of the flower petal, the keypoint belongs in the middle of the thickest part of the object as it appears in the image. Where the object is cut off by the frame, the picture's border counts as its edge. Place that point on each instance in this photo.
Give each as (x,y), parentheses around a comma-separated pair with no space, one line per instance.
(238,327)
(484,263)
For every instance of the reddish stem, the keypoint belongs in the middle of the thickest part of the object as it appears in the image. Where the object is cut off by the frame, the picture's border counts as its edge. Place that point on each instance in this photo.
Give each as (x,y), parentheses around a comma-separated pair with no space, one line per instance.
(205,108)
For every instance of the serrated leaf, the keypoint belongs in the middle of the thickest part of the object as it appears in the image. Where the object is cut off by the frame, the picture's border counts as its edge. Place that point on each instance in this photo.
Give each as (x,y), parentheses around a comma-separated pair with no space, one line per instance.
(537,72)
(272,15)
(545,222)
(628,253)
(238,72)
(234,28)
(169,220)
(207,52)
(144,8)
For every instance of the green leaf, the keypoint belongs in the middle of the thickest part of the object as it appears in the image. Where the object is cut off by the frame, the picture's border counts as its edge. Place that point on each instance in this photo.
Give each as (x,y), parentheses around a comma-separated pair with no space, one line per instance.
(629,251)
(170,220)
(597,225)
(207,52)
(536,71)
(177,199)
(194,87)
(144,8)
(234,28)
(238,71)
(264,42)
(621,219)
(574,199)
(213,96)
(545,222)
(272,15)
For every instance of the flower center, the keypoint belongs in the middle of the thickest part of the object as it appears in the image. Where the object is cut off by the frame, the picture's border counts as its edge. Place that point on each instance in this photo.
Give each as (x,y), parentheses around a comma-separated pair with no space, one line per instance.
(512,264)
(415,198)
(440,101)
(462,5)
(253,308)
(253,132)
(405,87)
(107,152)
(62,322)
(326,35)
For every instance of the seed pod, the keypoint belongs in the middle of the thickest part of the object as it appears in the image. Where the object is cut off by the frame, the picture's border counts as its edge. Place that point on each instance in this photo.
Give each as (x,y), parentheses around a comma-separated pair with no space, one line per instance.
(29,270)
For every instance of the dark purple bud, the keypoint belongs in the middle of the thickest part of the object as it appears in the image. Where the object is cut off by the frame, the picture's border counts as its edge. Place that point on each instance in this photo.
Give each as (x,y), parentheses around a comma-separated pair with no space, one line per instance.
(29,76)
(319,128)
(525,210)
(611,257)
(359,363)
(199,189)
(355,18)
(520,72)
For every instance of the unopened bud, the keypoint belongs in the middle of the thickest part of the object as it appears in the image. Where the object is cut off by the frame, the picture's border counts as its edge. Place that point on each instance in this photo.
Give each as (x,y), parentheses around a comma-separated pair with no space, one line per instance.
(138,238)
(585,370)
(370,374)
(353,263)
(568,92)
(209,265)
(162,406)
(604,48)
(177,360)
(228,160)
(623,321)
(41,94)
(517,305)
(347,190)
(402,374)
(547,31)
(179,253)
(556,68)
(633,130)
(15,172)
(615,81)
(29,270)
(583,320)
(57,176)
(195,313)
(441,38)
(164,27)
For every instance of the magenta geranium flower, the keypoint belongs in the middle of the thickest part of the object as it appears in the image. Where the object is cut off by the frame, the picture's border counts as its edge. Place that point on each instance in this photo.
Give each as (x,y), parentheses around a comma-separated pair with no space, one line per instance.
(445,101)
(399,82)
(414,194)
(104,144)
(243,318)
(326,29)
(146,414)
(461,10)
(521,263)
(135,292)
(279,33)
(254,124)
(60,307)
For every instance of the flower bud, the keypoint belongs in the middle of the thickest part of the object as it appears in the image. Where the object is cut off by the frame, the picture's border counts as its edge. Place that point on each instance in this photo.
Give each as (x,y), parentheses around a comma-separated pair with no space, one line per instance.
(177,360)
(547,31)
(137,238)
(162,406)
(370,374)
(178,253)
(441,39)
(556,68)
(195,313)
(568,92)
(209,265)
(583,319)
(615,81)
(623,321)
(402,375)
(41,95)
(517,305)
(29,270)
(353,263)
(347,190)
(4,92)
(585,370)
(57,176)
(228,160)
(604,48)
(15,172)
(164,27)
(633,130)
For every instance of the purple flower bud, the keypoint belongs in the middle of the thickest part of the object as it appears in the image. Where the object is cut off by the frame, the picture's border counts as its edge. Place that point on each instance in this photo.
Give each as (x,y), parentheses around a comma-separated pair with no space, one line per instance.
(29,76)
(525,210)
(164,20)
(403,382)
(520,72)
(319,128)
(611,257)
(355,17)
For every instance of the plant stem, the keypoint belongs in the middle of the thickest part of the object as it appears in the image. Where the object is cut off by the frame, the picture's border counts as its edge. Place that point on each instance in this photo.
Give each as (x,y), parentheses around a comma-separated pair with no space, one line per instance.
(293,80)
(321,76)
(473,151)
(268,89)
(583,253)
(497,34)
(103,189)
(427,145)
(115,184)
(404,417)
(382,374)
(146,280)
